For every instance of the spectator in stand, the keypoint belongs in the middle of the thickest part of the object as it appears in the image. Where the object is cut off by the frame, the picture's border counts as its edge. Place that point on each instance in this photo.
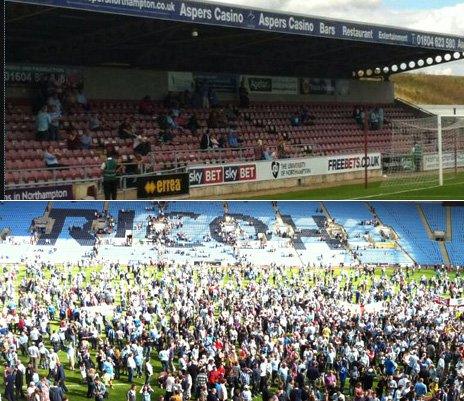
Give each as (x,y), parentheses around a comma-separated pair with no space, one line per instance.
(170,120)
(243,96)
(282,149)
(232,138)
(141,145)
(180,118)
(305,117)
(126,129)
(374,120)
(94,123)
(86,140)
(295,120)
(43,121)
(205,140)
(359,115)
(110,169)
(53,101)
(82,99)
(222,141)
(214,142)
(193,124)
(381,115)
(55,118)
(146,106)
(259,150)
(73,141)
(50,158)
(268,154)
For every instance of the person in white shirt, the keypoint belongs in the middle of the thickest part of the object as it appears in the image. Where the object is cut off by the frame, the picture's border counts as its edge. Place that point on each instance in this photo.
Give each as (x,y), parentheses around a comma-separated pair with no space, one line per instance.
(148,371)
(131,366)
(169,386)
(246,394)
(34,355)
(71,354)
(222,391)
(164,358)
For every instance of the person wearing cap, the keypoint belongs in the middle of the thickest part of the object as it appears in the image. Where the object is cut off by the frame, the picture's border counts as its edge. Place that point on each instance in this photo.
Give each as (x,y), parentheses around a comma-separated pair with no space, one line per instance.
(246,393)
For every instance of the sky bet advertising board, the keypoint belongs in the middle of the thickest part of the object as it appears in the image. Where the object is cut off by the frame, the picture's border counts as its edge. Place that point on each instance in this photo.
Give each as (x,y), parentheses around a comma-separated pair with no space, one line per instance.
(266,170)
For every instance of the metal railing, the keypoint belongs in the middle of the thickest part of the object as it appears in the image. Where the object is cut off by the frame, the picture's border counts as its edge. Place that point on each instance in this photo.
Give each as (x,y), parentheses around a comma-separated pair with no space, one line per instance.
(181,162)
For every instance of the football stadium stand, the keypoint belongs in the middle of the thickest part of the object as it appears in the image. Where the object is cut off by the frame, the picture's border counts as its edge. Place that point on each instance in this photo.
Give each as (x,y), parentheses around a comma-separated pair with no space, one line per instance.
(238,106)
(314,234)
(334,132)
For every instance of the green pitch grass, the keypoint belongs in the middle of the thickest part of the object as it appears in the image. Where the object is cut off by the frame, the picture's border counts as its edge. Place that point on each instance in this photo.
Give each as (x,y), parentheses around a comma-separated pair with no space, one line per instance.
(453,189)
(77,390)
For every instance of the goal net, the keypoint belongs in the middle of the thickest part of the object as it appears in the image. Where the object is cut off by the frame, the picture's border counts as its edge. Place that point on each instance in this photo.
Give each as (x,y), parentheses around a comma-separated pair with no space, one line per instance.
(424,152)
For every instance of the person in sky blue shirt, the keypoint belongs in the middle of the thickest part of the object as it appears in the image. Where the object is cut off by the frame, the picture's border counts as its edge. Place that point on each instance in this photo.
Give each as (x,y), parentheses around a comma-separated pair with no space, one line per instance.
(420,388)
(390,366)
(43,121)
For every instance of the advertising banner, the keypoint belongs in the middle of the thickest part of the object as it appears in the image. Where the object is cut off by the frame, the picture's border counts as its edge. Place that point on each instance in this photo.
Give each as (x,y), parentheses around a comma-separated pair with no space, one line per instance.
(294,168)
(213,175)
(275,85)
(239,17)
(317,86)
(278,169)
(225,83)
(61,192)
(158,186)
(20,74)
(430,161)
(180,81)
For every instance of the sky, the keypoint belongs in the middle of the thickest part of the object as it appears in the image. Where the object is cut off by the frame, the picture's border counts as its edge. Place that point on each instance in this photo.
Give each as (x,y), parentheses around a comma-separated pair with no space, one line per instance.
(441,16)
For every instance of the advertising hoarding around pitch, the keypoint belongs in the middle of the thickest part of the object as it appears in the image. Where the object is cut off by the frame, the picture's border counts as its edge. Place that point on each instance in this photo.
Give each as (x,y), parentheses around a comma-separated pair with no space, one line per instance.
(450,160)
(295,168)
(214,175)
(59,192)
(268,170)
(159,186)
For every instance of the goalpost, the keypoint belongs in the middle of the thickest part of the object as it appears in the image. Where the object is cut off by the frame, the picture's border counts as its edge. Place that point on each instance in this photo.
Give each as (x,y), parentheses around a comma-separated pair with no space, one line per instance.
(424,152)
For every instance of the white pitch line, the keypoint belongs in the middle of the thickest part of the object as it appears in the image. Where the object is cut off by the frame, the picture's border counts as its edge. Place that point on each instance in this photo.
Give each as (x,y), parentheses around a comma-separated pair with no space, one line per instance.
(406,190)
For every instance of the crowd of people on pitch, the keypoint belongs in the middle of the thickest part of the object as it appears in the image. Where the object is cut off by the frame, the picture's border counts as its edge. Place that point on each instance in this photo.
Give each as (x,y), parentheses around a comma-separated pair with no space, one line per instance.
(231,333)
